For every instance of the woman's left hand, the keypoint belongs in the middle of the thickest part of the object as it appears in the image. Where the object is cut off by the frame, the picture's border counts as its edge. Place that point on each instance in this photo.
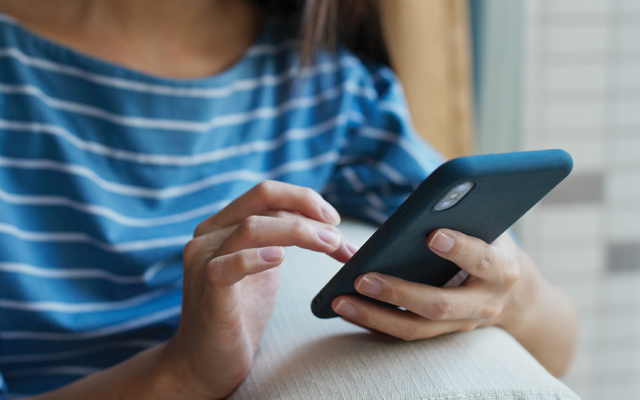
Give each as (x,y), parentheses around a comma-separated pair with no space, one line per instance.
(501,287)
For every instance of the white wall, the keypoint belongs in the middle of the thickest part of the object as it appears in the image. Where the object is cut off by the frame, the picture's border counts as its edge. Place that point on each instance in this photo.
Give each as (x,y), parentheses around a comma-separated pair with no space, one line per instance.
(581,92)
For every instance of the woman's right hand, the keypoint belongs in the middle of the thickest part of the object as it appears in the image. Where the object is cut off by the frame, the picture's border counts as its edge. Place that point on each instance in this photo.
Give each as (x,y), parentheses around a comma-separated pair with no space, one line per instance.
(231,279)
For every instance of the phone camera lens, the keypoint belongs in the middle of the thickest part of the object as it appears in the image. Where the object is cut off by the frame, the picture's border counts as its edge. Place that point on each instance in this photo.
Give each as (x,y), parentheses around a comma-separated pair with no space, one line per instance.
(453,196)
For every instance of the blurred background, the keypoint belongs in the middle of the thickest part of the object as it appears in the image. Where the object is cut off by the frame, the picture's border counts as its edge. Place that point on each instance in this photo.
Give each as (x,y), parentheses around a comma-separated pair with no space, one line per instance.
(566,74)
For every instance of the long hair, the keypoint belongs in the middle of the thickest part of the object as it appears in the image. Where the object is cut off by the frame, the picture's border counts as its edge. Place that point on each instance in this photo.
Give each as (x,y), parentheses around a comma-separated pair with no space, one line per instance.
(326,23)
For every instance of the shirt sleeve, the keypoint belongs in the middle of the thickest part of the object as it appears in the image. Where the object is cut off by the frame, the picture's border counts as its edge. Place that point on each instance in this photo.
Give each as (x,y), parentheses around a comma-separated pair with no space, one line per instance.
(382,159)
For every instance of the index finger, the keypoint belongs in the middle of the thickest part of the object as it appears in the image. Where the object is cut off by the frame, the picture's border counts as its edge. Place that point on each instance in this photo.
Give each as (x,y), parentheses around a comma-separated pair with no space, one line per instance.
(269,196)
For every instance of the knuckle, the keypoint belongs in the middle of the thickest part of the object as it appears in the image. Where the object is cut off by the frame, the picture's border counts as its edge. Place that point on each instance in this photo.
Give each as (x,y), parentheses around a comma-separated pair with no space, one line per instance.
(487,259)
(442,308)
(240,262)
(395,294)
(368,318)
(298,227)
(280,214)
(511,275)
(491,312)
(214,272)
(249,227)
(221,270)
(310,194)
(314,198)
(201,228)
(310,197)
(192,249)
(264,189)
(469,326)
(411,333)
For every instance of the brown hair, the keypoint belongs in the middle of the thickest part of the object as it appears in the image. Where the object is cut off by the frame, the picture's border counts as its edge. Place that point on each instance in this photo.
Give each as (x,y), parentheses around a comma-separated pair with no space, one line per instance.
(325,23)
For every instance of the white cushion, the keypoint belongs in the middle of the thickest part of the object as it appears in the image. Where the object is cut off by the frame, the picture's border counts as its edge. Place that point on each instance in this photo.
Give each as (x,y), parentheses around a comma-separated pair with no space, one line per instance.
(303,357)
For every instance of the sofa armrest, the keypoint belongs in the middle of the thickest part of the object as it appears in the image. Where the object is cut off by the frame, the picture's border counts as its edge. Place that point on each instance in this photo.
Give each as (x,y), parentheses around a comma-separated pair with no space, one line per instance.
(303,357)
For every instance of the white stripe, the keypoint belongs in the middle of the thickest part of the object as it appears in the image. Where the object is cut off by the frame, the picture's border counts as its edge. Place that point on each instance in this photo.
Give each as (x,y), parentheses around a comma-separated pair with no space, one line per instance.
(190,126)
(175,191)
(375,201)
(375,215)
(80,237)
(393,107)
(391,173)
(64,370)
(92,209)
(75,308)
(392,137)
(197,92)
(87,273)
(370,197)
(182,160)
(262,49)
(383,168)
(353,179)
(356,184)
(62,355)
(97,333)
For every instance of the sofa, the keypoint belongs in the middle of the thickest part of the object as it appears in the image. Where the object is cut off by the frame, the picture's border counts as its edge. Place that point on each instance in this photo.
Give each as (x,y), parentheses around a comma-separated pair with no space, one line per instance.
(303,357)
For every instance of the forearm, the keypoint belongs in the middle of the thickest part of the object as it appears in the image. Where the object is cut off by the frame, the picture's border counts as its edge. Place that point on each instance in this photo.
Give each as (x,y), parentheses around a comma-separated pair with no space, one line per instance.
(548,329)
(144,376)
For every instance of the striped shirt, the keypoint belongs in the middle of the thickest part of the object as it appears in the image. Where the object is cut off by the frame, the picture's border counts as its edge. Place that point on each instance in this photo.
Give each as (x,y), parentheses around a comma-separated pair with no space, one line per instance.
(105,172)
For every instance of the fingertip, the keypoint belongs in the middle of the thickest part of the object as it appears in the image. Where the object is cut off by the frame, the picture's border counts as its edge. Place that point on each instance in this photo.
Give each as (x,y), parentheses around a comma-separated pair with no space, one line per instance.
(329,237)
(368,285)
(351,246)
(271,254)
(342,254)
(441,241)
(330,214)
(344,308)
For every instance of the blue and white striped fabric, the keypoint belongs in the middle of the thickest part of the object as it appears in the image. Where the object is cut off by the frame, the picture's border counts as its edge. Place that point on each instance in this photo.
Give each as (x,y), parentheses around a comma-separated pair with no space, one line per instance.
(105,172)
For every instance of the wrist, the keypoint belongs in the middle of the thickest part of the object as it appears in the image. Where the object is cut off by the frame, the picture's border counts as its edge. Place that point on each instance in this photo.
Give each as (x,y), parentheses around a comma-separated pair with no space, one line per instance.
(174,375)
(180,377)
(167,377)
(545,324)
(525,301)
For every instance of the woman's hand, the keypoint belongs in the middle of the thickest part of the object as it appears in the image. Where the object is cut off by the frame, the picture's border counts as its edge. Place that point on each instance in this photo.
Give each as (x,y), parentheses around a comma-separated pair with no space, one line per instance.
(481,300)
(504,288)
(231,279)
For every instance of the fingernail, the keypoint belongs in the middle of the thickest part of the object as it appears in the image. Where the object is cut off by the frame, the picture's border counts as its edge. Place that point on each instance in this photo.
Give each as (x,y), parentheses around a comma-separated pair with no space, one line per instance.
(346,309)
(270,254)
(441,242)
(352,247)
(329,237)
(330,215)
(369,285)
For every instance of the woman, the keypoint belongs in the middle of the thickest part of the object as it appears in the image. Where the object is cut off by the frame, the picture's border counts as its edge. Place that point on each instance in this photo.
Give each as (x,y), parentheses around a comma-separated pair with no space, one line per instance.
(138,246)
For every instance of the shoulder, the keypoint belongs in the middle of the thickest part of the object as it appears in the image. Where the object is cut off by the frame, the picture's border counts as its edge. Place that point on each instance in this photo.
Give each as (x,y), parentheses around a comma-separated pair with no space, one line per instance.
(341,65)
(377,80)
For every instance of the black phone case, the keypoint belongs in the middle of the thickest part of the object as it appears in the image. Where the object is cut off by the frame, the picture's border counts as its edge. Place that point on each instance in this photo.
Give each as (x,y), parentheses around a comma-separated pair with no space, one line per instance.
(506,186)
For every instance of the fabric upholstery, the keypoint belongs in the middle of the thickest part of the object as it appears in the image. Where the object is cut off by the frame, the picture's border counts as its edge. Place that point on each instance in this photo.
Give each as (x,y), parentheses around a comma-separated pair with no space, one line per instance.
(302,357)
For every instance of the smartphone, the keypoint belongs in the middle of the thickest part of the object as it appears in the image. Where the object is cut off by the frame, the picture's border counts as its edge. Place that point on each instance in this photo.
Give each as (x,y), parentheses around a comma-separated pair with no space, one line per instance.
(480,196)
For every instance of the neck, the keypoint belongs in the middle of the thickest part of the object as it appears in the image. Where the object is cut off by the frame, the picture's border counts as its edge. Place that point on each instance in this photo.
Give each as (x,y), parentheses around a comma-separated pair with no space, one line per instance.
(164,22)
(177,38)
